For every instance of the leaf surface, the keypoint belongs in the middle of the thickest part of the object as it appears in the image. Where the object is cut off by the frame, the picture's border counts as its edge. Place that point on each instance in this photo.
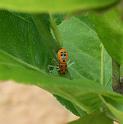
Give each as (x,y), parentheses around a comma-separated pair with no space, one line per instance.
(109,28)
(83,45)
(94,118)
(54,5)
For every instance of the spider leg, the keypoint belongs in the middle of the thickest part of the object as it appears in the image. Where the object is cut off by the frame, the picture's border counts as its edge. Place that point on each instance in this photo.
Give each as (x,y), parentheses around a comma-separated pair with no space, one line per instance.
(52,68)
(70,64)
(57,68)
(55,61)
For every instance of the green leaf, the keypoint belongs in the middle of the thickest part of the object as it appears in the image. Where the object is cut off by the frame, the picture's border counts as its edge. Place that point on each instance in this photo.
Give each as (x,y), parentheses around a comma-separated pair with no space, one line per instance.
(54,5)
(86,93)
(94,118)
(70,106)
(114,103)
(109,28)
(83,45)
(84,50)
(27,37)
(13,68)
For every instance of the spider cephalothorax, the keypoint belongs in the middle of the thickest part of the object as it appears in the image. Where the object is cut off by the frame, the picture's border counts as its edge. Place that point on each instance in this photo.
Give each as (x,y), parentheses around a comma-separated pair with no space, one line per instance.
(62,62)
(62,55)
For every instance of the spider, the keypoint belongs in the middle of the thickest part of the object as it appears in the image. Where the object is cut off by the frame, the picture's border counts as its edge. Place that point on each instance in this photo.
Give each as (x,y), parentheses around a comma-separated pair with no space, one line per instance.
(62,63)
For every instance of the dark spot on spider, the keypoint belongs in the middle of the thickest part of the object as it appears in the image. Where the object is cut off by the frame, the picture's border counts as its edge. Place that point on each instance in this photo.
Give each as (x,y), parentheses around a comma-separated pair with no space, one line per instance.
(63,72)
(63,60)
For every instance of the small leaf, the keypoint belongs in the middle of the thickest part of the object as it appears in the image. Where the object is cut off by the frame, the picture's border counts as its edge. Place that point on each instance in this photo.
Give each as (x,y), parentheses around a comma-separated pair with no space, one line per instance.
(94,118)
(109,28)
(115,104)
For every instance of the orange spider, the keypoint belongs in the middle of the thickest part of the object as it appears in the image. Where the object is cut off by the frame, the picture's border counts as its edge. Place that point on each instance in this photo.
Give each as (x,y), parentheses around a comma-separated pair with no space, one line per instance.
(62,57)
(62,62)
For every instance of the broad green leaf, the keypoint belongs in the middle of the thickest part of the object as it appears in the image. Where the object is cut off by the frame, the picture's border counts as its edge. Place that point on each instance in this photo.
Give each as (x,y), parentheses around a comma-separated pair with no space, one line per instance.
(13,68)
(54,5)
(84,49)
(86,92)
(115,104)
(27,38)
(94,118)
(109,28)
(83,45)
(59,86)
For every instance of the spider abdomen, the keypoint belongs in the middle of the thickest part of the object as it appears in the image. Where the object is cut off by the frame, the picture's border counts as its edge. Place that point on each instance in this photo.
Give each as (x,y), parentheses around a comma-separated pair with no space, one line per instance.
(62,68)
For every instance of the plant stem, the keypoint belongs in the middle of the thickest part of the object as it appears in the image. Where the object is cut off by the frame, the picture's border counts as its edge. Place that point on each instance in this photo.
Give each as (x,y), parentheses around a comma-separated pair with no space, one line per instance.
(102,65)
(116,76)
(55,31)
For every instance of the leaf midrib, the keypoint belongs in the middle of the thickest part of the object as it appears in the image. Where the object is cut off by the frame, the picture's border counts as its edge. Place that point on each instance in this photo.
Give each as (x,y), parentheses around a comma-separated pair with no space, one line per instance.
(21,62)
